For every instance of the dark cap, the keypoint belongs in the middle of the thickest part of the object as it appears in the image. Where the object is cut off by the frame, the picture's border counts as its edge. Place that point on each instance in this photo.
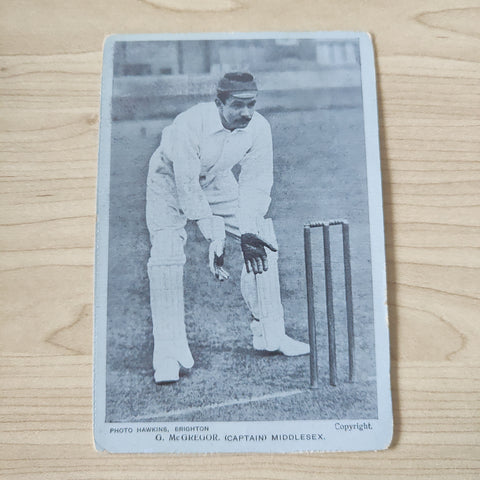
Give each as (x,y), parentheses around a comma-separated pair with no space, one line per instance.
(238,84)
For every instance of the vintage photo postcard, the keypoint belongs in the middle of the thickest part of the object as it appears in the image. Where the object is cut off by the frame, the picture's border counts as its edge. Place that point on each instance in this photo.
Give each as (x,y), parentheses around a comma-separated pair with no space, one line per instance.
(240,286)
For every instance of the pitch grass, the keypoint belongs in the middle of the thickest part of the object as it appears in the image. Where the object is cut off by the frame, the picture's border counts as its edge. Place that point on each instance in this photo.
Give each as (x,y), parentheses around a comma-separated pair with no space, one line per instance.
(319,175)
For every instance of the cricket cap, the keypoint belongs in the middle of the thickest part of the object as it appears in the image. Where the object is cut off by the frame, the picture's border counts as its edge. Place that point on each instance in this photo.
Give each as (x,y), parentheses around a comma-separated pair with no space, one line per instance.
(238,84)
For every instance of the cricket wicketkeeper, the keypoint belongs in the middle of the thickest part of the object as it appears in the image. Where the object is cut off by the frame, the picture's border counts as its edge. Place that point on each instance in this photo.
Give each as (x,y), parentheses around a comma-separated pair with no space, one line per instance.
(190,178)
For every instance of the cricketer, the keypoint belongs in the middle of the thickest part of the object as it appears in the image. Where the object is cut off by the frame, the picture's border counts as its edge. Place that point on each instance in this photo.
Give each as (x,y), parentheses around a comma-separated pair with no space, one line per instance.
(190,178)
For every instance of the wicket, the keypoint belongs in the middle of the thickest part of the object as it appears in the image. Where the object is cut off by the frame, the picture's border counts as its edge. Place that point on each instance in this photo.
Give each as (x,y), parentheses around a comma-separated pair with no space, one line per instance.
(332,356)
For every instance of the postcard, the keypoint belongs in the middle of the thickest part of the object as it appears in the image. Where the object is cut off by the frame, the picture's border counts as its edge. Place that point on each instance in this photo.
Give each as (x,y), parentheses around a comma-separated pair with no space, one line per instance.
(240,285)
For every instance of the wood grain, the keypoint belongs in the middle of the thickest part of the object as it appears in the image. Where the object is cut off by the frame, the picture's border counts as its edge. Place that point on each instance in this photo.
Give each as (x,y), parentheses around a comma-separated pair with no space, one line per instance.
(429,89)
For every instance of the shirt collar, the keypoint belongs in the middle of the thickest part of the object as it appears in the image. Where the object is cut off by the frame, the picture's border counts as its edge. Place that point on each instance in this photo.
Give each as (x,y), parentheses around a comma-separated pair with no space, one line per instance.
(213,122)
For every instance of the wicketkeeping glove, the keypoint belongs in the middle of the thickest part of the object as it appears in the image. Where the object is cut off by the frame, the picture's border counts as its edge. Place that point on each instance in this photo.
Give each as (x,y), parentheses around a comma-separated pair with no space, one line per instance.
(254,254)
(216,257)
(213,229)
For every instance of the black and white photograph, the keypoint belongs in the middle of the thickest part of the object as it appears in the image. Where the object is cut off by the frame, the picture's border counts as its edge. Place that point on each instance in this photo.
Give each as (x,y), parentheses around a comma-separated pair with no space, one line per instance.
(240,292)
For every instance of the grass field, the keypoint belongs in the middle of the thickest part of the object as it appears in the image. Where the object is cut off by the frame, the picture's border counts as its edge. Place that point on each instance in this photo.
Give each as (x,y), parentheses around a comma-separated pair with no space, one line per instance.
(319,174)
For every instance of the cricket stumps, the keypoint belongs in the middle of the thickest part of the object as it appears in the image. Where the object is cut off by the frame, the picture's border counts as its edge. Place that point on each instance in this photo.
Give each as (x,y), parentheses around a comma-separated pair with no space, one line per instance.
(312,328)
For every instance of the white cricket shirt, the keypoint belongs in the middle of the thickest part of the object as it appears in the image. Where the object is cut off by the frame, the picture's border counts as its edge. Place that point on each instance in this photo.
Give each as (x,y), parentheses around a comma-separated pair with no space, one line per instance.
(199,147)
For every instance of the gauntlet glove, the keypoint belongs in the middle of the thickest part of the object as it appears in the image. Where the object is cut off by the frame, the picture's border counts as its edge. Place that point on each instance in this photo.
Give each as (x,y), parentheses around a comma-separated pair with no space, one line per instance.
(254,254)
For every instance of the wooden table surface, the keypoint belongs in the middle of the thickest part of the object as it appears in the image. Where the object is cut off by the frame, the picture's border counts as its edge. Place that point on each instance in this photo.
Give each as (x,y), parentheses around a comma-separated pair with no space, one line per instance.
(428,57)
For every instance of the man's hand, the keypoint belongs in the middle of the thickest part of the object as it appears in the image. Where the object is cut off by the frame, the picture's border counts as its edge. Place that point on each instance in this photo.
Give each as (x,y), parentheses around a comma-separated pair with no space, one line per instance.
(254,254)
(216,257)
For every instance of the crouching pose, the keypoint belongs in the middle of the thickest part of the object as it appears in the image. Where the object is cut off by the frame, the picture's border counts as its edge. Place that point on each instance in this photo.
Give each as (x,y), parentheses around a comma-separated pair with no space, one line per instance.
(190,178)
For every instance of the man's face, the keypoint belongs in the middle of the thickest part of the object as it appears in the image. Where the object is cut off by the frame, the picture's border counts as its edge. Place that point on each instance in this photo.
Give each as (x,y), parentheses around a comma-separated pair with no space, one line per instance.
(236,112)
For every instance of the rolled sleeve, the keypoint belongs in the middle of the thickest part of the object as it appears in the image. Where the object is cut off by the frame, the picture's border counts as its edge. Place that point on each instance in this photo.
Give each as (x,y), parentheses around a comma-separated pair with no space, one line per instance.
(256,179)
(183,151)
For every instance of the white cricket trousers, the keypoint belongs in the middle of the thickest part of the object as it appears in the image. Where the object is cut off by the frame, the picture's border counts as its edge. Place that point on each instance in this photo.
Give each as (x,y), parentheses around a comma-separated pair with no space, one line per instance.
(166,223)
